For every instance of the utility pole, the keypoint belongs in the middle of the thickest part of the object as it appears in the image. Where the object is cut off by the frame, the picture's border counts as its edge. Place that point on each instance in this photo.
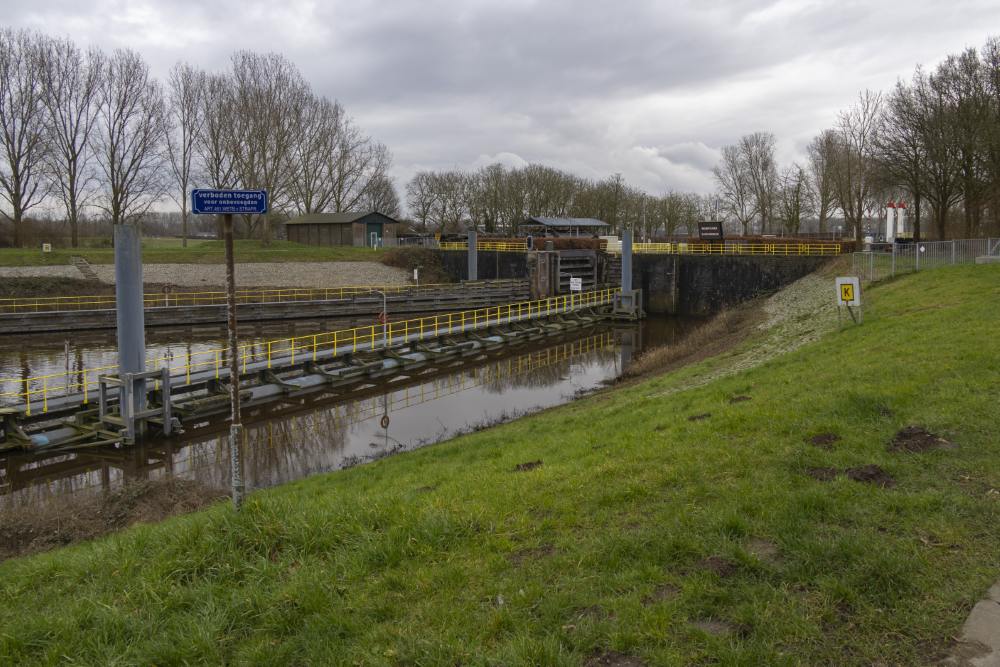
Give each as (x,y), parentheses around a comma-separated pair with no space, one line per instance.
(227,203)
(235,426)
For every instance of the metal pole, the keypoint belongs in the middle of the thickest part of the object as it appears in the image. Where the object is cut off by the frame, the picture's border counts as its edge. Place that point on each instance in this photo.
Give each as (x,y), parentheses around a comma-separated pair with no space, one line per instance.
(130,317)
(626,261)
(235,427)
(473,255)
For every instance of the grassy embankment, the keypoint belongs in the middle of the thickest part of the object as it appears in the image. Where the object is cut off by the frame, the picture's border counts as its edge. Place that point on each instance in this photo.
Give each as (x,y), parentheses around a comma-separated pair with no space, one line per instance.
(169,251)
(641,533)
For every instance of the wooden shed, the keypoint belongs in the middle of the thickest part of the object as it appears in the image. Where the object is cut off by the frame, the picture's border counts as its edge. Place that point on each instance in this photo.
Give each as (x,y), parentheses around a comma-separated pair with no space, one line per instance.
(371,229)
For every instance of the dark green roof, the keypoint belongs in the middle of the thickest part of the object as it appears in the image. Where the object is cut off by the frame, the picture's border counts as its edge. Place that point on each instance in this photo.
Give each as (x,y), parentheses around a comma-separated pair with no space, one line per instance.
(334,218)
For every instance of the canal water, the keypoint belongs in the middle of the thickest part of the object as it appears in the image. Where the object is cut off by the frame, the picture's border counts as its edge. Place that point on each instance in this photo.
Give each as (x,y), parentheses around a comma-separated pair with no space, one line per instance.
(288,442)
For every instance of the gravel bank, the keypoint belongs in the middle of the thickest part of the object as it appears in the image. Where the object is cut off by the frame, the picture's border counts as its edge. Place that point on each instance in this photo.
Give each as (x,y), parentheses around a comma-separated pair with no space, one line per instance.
(59,271)
(287,274)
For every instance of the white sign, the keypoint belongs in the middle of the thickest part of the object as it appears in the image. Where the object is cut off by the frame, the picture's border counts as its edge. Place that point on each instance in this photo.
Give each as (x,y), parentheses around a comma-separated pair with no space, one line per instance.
(46,247)
(848,291)
(576,284)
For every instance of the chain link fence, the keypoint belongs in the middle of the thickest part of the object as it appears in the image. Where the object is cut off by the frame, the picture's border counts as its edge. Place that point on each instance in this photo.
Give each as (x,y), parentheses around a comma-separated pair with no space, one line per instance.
(887,259)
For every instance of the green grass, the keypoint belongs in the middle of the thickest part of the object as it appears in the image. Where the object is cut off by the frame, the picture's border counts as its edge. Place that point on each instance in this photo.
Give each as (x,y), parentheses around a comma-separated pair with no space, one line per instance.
(169,251)
(448,556)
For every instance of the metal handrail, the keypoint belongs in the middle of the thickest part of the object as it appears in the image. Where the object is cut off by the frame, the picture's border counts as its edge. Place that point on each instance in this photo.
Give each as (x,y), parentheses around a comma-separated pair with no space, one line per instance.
(783,249)
(213,361)
(258,295)
(496,246)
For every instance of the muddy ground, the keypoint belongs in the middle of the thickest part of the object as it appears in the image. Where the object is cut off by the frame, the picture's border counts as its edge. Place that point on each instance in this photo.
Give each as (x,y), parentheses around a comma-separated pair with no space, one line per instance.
(28,530)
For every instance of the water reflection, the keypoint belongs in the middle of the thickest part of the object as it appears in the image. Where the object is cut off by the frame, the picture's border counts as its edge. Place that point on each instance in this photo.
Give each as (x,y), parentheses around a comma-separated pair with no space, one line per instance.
(322,433)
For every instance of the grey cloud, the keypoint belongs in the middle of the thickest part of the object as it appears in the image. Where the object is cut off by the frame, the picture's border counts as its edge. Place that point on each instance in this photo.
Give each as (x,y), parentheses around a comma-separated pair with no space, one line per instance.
(592,87)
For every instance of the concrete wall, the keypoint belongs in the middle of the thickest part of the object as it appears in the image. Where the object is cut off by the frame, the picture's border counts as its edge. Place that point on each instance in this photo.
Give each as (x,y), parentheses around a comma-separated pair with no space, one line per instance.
(491,265)
(703,285)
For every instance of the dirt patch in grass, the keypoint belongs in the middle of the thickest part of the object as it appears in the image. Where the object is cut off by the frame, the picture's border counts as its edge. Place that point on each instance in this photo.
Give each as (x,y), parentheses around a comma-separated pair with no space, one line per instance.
(525,467)
(698,418)
(662,593)
(871,474)
(714,628)
(719,565)
(763,550)
(67,521)
(822,474)
(613,659)
(824,440)
(535,553)
(916,439)
(739,399)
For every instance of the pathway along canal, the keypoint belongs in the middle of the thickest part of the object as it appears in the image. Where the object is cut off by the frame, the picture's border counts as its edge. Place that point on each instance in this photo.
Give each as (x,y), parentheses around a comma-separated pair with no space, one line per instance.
(288,442)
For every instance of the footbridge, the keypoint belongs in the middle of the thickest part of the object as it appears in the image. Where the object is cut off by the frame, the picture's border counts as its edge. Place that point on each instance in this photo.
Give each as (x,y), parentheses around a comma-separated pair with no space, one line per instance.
(92,406)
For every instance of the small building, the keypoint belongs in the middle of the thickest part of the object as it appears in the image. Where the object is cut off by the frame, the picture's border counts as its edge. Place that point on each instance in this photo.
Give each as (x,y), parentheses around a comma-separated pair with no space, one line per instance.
(371,229)
(543,226)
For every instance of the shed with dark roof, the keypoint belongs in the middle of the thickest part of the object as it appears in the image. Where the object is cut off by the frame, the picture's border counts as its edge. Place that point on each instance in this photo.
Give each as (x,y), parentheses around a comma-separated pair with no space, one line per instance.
(546,226)
(371,229)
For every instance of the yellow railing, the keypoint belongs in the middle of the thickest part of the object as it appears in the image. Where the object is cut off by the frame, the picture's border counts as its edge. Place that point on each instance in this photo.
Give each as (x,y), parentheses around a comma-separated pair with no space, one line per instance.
(243,296)
(735,248)
(497,246)
(210,363)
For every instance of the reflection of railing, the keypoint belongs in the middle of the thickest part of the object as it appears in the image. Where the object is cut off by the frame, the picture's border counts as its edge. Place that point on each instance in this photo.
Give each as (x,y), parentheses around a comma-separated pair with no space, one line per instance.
(496,246)
(286,350)
(788,249)
(243,296)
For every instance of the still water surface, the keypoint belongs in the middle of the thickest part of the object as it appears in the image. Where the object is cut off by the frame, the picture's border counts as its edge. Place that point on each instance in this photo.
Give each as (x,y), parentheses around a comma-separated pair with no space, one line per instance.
(290,442)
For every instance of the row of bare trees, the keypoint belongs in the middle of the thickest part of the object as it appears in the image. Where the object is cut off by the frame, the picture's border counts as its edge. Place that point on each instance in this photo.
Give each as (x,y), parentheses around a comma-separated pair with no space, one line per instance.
(934,141)
(501,198)
(88,130)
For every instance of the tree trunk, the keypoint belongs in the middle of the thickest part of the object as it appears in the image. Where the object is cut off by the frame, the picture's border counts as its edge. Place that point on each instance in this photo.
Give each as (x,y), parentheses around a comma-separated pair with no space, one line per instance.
(184,225)
(916,216)
(17,228)
(941,221)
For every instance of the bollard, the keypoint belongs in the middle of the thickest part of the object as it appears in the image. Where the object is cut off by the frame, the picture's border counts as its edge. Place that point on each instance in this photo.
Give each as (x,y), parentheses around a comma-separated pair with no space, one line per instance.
(473,255)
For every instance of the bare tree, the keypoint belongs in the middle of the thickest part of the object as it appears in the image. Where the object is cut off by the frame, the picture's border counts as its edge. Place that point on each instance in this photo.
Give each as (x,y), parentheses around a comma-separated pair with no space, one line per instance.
(736,187)
(449,210)
(758,156)
(186,85)
(820,173)
(937,134)
(128,138)
(381,197)
(267,100)
(312,189)
(421,197)
(793,197)
(855,170)
(902,155)
(22,125)
(70,83)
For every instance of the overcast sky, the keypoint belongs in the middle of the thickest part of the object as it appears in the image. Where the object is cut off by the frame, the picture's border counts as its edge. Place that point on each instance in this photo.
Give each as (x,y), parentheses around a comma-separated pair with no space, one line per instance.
(648,89)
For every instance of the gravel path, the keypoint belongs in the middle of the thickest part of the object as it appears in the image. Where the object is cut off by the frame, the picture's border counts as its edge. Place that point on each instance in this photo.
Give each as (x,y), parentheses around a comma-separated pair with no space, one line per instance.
(58,271)
(276,274)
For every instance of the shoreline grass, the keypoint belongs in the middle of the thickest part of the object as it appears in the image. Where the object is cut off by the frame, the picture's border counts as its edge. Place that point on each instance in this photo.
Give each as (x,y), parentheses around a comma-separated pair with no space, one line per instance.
(641,533)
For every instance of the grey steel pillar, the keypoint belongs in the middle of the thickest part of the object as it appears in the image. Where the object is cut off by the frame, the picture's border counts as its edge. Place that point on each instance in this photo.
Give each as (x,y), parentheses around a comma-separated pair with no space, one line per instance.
(473,255)
(130,316)
(626,261)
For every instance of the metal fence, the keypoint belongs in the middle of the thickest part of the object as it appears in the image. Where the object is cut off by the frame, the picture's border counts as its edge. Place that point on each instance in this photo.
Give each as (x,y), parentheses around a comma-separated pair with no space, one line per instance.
(886,260)
(274,353)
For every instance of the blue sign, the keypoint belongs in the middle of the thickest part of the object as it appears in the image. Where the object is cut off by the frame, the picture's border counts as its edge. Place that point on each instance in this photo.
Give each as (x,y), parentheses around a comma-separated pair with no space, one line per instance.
(211,202)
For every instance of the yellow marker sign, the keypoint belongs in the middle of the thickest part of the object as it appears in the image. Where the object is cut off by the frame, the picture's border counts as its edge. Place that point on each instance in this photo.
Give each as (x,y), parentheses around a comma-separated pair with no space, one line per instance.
(847,292)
